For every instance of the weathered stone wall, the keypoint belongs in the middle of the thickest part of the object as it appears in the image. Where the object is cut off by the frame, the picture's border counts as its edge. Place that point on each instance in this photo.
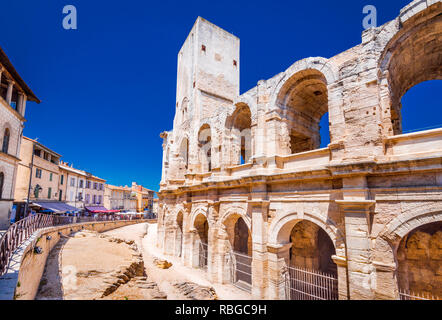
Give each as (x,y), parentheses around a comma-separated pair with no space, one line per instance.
(26,267)
(368,189)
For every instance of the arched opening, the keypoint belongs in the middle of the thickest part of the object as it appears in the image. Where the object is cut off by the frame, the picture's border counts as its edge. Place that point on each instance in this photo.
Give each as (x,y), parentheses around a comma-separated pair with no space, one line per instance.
(420,101)
(239,125)
(419,259)
(310,273)
(2,179)
(412,57)
(205,147)
(184,153)
(312,248)
(202,235)
(179,234)
(5,146)
(184,114)
(240,240)
(303,101)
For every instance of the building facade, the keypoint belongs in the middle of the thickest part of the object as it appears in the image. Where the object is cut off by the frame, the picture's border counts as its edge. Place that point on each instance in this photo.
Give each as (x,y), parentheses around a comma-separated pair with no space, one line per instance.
(38,173)
(14,94)
(144,197)
(94,191)
(75,185)
(113,197)
(248,195)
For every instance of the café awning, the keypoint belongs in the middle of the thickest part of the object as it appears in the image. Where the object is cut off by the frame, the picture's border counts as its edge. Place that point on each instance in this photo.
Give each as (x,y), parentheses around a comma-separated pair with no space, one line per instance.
(56,207)
(100,209)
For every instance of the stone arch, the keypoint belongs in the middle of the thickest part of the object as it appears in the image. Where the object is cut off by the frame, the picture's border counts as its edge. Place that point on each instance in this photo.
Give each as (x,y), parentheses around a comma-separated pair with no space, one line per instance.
(205,152)
(245,99)
(195,213)
(411,55)
(400,226)
(6,135)
(390,244)
(280,228)
(184,110)
(301,99)
(183,152)
(239,211)
(229,223)
(323,65)
(239,142)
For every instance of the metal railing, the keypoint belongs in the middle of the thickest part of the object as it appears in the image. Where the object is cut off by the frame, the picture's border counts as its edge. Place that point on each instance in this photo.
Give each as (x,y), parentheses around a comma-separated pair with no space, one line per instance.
(409,295)
(203,253)
(241,270)
(304,284)
(23,229)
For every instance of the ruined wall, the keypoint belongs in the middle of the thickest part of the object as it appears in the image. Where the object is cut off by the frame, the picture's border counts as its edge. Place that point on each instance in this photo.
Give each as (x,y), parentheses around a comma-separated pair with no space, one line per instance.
(362,191)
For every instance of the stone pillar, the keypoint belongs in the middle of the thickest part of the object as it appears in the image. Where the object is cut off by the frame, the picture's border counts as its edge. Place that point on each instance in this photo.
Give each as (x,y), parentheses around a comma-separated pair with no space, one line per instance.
(20,102)
(278,261)
(187,248)
(9,92)
(386,281)
(259,213)
(341,263)
(212,259)
(224,263)
(357,232)
(194,249)
(160,226)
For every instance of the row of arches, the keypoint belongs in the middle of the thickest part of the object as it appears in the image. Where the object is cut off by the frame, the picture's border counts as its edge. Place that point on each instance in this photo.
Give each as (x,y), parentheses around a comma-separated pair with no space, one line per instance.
(409,72)
(311,247)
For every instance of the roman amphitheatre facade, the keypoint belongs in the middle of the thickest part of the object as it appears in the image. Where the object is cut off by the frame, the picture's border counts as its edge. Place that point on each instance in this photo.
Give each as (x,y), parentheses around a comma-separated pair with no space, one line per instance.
(248,195)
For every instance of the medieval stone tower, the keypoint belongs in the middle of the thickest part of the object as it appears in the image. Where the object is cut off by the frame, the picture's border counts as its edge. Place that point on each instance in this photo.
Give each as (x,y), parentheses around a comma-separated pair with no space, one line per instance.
(207,79)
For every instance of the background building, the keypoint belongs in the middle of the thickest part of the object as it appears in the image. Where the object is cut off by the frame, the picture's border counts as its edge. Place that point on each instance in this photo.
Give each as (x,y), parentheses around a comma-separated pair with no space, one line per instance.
(94,191)
(113,197)
(75,183)
(144,197)
(14,93)
(120,198)
(39,165)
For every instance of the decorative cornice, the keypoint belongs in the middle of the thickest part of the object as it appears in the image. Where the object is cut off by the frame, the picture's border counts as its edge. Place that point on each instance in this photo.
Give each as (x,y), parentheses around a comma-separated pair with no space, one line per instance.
(359,204)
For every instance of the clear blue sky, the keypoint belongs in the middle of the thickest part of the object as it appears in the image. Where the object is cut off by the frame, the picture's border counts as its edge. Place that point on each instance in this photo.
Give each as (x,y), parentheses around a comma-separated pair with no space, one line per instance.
(108,88)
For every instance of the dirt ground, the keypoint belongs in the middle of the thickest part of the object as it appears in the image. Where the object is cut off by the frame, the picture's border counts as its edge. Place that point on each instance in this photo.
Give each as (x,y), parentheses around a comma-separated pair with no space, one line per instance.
(119,265)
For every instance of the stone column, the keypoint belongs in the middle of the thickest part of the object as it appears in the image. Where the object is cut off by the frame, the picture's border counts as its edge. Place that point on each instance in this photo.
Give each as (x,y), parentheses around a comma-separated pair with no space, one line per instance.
(213,259)
(194,249)
(341,263)
(357,233)
(258,126)
(278,260)
(386,281)
(259,212)
(160,227)
(9,92)
(20,102)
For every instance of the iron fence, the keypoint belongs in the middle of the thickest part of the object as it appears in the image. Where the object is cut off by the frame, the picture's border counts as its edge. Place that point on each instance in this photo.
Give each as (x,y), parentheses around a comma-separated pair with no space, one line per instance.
(409,295)
(203,253)
(305,284)
(241,270)
(23,229)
